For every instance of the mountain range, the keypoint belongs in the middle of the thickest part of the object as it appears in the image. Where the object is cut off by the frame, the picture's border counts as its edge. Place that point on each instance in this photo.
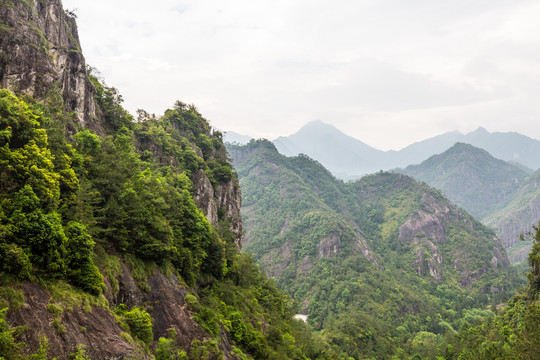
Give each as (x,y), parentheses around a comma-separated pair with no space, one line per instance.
(341,250)
(501,194)
(349,158)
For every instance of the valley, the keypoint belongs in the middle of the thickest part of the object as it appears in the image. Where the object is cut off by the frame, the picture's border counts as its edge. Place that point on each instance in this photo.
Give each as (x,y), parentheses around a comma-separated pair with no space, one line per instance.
(149,236)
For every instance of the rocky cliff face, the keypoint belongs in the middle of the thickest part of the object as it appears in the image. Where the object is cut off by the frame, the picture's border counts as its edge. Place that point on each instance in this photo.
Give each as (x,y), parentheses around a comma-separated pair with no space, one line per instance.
(226,198)
(96,327)
(40,55)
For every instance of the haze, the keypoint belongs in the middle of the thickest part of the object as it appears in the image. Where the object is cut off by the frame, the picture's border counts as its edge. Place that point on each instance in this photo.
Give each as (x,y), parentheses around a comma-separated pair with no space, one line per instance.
(386,72)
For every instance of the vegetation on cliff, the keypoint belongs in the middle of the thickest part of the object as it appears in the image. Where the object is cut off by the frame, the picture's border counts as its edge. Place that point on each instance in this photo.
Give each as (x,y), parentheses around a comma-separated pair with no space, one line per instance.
(129,194)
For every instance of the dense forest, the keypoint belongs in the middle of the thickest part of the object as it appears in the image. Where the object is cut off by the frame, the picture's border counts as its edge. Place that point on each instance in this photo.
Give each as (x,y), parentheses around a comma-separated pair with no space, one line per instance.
(77,203)
(121,236)
(381,266)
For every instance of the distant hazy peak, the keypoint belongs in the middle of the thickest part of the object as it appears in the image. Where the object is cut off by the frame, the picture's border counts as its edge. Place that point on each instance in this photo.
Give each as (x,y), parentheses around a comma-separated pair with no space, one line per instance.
(317,126)
(480,131)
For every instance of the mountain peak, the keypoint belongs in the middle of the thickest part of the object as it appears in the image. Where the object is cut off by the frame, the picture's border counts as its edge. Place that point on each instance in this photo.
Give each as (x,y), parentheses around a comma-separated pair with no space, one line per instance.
(480,131)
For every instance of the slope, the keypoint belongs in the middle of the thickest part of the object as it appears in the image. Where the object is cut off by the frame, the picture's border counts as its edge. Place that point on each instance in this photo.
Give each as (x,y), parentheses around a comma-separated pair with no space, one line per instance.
(375,260)
(517,217)
(118,238)
(470,177)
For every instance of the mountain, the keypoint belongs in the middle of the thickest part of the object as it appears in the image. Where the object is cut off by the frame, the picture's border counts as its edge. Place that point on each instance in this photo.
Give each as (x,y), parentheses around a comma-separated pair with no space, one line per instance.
(502,194)
(41,56)
(343,155)
(119,238)
(366,260)
(471,178)
(349,158)
(518,217)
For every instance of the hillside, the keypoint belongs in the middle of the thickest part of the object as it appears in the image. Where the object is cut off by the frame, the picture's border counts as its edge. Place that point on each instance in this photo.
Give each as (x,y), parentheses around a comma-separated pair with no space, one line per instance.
(371,257)
(471,178)
(119,238)
(349,158)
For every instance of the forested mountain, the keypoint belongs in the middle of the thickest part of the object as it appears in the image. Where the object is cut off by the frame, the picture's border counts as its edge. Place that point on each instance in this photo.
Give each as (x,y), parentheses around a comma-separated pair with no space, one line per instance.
(518,216)
(502,195)
(381,262)
(118,238)
(349,158)
(471,178)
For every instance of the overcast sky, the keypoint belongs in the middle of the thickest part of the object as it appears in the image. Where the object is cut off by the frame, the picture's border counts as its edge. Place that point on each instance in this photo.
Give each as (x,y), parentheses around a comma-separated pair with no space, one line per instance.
(388,72)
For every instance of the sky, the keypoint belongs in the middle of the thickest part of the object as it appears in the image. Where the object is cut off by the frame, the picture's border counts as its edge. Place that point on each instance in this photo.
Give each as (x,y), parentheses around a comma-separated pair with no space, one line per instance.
(387,72)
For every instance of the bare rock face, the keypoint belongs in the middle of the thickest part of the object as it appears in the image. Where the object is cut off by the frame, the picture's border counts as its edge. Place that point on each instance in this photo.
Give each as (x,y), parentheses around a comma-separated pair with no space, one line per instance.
(205,197)
(229,198)
(226,197)
(40,52)
(165,301)
(361,245)
(329,245)
(97,328)
(278,259)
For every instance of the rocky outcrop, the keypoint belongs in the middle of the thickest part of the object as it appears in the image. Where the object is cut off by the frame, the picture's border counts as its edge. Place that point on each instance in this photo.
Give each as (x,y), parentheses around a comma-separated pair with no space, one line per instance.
(361,245)
(165,303)
(226,198)
(40,55)
(329,245)
(229,198)
(278,259)
(97,328)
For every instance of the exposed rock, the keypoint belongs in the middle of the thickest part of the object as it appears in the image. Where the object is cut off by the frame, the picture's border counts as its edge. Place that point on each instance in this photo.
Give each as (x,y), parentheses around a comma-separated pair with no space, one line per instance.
(362,246)
(277,260)
(227,197)
(97,328)
(304,267)
(423,222)
(329,245)
(204,196)
(40,50)
(165,303)
(428,255)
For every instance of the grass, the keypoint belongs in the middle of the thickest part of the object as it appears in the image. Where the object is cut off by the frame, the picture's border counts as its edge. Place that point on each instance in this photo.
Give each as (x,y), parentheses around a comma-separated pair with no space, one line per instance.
(12,296)
(140,270)
(110,266)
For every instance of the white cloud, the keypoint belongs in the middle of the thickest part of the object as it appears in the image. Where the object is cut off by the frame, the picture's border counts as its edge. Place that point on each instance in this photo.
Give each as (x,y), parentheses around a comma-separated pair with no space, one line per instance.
(387,71)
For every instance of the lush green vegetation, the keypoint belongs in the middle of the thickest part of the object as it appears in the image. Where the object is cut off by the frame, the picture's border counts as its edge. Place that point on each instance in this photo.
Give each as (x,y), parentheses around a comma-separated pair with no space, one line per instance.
(67,193)
(341,251)
(471,178)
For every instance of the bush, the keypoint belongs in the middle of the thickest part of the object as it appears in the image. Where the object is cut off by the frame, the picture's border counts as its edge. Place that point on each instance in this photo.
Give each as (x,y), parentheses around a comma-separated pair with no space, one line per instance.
(139,322)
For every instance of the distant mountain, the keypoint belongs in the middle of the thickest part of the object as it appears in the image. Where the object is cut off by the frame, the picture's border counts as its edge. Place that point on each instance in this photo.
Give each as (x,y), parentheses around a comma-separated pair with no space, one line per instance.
(345,156)
(365,259)
(349,158)
(471,178)
(518,216)
(235,138)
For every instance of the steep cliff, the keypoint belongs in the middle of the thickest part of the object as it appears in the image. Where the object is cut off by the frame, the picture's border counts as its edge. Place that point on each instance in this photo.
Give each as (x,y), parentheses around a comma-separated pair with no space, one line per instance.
(119,236)
(40,55)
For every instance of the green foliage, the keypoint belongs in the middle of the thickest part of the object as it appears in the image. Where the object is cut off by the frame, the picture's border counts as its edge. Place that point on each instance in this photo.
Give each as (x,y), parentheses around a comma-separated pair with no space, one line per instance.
(138,321)
(168,349)
(9,347)
(69,201)
(343,253)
